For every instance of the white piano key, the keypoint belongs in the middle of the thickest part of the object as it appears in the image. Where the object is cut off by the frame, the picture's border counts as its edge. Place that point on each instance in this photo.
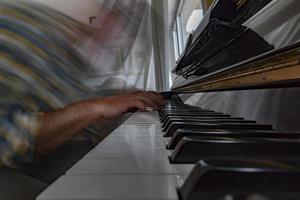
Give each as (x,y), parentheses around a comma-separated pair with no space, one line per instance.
(140,126)
(145,114)
(138,129)
(128,166)
(143,118)
(138,141)
(141,122)
(140,133)
(131,144)
(166,141)
(113,187)
(131,163)
(147,153)
(135,135)
(133,138)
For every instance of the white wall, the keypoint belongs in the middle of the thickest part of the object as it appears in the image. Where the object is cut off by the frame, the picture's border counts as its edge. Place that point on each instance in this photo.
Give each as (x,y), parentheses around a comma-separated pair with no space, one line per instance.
(81,10)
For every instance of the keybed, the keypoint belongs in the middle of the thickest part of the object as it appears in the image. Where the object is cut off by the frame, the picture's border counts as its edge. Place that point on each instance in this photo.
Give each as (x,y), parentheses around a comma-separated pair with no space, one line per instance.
(131,163)
(215,160)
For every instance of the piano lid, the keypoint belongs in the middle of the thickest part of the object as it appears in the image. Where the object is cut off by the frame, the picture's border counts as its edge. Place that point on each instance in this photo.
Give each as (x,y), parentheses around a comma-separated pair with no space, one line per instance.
(227,57)
(221,25)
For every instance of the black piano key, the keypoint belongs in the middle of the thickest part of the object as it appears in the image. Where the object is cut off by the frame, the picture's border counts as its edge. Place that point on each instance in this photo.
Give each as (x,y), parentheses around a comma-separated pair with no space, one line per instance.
(180,112)
(170,119)
(171,104)
(174,101)
(182,109)
(170,109)
(180,133)
(187,113)
(194,117)
(240,179)
(167,95)
(227,120)
(191,149)
(165,117)
(179,108)
(228,126)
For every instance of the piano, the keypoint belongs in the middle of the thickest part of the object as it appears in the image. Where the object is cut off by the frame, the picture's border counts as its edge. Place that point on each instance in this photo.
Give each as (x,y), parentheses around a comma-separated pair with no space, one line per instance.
(188,152)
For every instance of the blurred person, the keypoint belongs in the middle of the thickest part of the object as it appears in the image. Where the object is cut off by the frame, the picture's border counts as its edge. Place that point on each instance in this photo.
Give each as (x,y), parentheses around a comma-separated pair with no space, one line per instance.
(43,99)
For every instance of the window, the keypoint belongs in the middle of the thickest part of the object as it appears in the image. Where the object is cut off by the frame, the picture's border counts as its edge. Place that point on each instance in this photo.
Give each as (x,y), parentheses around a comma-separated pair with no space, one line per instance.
(194,20)
(189,16)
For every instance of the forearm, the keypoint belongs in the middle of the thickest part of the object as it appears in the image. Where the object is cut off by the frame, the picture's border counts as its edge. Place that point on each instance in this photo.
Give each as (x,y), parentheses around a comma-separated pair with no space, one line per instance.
(60,125)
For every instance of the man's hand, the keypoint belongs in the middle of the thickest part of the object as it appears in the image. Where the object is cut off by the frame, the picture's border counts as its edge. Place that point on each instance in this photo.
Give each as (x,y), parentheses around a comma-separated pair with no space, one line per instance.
(114,106)
(60,125)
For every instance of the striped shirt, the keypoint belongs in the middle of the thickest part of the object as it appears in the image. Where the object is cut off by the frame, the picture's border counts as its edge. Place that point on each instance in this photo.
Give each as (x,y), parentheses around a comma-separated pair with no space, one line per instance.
(40,70)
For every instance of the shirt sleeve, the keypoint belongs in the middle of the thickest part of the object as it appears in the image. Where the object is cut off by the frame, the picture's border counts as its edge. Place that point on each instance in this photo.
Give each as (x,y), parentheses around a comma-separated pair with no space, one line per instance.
(18,130)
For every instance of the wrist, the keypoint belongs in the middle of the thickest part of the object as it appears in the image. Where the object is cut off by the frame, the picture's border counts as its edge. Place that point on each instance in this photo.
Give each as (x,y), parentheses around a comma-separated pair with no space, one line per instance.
(94,107)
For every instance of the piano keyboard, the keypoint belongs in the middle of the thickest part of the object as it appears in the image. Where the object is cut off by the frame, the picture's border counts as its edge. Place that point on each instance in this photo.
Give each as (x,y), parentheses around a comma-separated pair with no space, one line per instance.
(200,155)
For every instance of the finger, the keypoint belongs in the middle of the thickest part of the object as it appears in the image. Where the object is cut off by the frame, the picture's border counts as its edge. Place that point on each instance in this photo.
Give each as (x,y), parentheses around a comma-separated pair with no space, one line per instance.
(136,92)
(155,94)
(139,104)
(160,100)
(157,100)
(149,102)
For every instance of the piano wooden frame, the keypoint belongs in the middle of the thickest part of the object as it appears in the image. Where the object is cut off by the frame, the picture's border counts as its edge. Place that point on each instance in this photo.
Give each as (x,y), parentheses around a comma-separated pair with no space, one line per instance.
(276,69)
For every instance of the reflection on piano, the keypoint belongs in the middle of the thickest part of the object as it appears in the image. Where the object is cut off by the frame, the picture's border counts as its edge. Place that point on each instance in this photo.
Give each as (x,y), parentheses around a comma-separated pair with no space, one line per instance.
(191,153)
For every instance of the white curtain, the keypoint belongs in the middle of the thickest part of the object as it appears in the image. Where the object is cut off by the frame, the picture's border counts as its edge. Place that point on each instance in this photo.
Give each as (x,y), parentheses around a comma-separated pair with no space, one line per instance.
(121,52)
(127,49)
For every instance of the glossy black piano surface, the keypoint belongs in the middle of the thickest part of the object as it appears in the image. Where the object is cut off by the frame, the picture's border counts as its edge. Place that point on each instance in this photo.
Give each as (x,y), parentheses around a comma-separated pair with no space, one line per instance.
(235,158)
(220,40)
(215,125)
(190,149)
(179,134)
(169,122)
(242,179)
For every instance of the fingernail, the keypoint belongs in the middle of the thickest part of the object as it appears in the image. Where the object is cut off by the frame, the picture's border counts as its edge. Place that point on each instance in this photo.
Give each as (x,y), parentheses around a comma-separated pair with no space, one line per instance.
(149,109)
